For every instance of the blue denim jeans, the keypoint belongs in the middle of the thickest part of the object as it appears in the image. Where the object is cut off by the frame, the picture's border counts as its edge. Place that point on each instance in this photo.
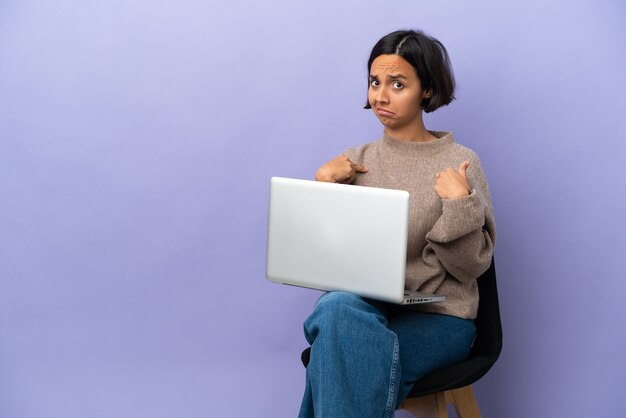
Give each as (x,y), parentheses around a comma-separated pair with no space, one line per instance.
(365,355)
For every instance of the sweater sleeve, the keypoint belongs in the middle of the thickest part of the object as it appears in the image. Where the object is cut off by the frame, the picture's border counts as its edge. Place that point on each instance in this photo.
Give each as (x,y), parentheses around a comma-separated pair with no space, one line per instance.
(463,237)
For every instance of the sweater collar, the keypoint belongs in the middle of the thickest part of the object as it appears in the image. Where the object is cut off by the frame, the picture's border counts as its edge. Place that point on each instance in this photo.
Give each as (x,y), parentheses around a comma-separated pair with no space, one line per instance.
(425,148)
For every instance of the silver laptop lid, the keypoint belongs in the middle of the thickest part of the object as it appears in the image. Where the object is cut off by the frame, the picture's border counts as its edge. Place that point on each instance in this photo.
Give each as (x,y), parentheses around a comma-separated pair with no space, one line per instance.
(330,236)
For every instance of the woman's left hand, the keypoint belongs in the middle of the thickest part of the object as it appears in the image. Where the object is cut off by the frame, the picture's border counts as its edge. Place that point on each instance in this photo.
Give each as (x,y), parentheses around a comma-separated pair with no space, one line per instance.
(453,184)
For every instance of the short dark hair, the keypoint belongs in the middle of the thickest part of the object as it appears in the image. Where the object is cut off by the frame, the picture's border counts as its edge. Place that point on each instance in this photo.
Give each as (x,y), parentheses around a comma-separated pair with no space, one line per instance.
(427,56)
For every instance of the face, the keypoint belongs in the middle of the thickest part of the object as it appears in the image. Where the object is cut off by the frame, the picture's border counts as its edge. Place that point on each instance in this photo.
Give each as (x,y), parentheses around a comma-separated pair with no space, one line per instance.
(395,91)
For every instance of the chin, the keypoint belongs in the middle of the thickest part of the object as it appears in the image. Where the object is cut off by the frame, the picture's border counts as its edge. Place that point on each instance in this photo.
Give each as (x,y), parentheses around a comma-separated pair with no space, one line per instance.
(385,121)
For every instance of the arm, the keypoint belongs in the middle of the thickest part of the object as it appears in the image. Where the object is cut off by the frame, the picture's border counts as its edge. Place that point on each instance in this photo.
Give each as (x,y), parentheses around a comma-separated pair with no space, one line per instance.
(464,235)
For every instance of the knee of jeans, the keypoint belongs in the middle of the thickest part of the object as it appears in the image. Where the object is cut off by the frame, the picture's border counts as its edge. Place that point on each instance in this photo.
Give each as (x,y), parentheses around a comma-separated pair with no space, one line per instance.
(331,311)
(335,300)
(342,308)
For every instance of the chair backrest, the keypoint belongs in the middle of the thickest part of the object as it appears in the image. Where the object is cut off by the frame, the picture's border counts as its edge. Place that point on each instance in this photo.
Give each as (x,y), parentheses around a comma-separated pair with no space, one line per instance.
(488,341)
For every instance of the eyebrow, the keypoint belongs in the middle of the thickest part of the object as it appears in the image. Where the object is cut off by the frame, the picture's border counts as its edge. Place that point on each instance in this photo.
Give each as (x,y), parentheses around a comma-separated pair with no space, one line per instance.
(391,76)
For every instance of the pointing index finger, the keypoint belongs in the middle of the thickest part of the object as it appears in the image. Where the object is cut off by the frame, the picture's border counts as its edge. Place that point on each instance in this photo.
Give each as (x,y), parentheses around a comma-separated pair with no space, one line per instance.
(357,167)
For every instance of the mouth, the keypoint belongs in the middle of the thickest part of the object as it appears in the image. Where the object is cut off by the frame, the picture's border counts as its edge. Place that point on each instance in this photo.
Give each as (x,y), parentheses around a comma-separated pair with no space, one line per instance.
(384,112)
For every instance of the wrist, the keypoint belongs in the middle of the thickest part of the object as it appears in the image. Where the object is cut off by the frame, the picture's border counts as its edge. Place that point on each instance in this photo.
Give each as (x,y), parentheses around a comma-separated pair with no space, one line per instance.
(460,195)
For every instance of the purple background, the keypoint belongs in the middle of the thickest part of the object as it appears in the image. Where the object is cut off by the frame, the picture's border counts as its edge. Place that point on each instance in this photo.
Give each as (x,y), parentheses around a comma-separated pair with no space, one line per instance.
(136,143)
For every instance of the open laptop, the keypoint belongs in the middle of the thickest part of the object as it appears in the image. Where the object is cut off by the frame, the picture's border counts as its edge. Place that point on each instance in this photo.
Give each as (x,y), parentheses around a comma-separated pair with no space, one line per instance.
(330,236)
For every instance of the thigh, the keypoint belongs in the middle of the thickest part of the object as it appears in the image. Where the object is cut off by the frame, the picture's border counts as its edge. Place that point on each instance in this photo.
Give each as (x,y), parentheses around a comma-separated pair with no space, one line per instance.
(430,341)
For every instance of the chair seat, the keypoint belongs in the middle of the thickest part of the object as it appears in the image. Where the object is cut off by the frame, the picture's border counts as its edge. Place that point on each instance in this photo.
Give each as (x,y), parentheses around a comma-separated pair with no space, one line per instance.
(452,377)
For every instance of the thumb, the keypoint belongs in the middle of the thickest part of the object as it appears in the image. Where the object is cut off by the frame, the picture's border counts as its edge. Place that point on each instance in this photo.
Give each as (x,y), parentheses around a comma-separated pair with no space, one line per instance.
(360,168)
(463,168)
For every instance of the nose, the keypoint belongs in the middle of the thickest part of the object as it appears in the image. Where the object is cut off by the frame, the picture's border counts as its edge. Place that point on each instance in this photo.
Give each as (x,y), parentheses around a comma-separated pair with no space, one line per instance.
(381,95)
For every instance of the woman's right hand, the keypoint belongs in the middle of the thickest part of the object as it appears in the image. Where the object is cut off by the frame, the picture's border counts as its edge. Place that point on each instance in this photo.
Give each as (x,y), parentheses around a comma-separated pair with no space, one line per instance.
(339,170)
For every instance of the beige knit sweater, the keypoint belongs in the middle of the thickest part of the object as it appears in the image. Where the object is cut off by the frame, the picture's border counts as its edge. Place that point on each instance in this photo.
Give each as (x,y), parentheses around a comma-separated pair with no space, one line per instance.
(450,241)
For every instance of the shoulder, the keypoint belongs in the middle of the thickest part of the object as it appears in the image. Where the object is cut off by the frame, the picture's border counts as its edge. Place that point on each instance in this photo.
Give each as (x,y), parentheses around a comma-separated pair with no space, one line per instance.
(457,153)
(357,154)
(463,153)
(460,150)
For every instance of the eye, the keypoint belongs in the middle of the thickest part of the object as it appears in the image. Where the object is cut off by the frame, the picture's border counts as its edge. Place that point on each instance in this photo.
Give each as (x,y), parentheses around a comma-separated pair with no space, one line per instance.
(374,82)
(397,85)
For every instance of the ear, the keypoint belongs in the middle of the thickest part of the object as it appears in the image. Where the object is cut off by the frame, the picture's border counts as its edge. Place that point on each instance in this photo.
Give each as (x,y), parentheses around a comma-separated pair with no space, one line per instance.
(428,93)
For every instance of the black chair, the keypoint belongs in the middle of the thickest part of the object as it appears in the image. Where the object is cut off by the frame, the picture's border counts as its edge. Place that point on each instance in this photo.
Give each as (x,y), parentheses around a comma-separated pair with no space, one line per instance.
(452,385)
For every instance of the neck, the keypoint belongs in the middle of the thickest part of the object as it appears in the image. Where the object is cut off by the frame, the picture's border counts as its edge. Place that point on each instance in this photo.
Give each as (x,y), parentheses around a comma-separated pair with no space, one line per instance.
(415,132)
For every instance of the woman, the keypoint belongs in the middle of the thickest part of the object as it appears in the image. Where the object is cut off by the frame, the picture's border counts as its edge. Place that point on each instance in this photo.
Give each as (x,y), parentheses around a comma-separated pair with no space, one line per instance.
(366,355)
